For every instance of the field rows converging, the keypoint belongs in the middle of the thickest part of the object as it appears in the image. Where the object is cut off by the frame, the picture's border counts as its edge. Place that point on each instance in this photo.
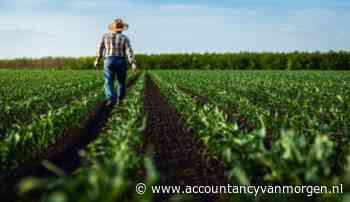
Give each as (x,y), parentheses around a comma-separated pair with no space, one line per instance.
(25,100)
(174,128)
(62,153)
(179,157)
(292,135)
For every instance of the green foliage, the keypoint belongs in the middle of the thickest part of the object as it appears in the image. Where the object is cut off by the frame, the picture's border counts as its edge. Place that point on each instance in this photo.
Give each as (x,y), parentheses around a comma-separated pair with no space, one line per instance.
(26,95)
(110,162)
(303,116)
(42,132)
(308,102)
(37,107)
(302,155)
(243,60)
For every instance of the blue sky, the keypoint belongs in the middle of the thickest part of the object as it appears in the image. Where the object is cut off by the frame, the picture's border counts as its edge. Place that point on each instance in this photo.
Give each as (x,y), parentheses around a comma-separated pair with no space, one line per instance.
(36,28)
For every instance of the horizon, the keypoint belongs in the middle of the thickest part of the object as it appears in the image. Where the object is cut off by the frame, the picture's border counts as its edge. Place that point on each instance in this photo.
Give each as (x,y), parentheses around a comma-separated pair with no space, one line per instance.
(184,53)
(57,28)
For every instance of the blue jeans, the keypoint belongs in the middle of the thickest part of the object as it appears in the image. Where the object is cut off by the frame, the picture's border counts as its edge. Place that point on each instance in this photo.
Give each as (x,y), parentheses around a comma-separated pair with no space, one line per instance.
(114,66)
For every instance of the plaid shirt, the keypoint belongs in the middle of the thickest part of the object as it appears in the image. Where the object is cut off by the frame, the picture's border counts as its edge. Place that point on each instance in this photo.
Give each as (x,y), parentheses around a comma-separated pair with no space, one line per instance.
(115,44)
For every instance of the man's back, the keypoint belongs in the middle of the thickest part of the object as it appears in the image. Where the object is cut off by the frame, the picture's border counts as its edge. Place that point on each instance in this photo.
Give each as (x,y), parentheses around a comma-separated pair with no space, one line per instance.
(115,44)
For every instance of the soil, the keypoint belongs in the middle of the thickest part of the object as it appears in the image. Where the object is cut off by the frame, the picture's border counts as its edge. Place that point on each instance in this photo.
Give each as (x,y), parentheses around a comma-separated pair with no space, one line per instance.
(64,153)
(179,156)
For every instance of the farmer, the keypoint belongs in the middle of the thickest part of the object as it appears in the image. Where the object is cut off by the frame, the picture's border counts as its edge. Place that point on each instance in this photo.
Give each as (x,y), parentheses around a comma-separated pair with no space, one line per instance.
(115,46)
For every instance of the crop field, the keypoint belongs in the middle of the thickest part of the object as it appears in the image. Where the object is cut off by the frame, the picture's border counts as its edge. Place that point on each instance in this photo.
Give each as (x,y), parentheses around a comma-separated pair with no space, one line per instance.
(59,142)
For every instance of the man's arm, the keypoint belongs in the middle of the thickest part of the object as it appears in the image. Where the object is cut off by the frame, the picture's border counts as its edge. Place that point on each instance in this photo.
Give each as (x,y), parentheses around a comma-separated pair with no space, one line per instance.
(100,51)
(130,54)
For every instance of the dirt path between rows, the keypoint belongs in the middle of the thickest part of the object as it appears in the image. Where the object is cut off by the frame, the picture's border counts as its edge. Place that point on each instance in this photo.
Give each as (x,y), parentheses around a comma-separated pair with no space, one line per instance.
(180,157)
(64,153)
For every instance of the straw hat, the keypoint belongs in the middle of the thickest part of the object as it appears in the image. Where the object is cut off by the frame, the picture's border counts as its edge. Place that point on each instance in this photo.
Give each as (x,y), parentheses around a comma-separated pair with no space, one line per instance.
(118,26)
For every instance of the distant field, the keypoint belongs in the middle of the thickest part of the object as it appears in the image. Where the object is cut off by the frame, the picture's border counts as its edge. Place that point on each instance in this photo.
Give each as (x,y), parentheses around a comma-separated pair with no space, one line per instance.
(256,127)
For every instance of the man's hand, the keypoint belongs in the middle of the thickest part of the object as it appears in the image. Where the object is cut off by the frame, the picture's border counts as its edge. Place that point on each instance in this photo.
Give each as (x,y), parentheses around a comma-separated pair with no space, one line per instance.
(133,67)
(96,63)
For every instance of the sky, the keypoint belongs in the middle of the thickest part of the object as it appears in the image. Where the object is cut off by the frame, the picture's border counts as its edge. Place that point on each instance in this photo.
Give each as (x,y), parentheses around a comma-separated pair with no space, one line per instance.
(38,28)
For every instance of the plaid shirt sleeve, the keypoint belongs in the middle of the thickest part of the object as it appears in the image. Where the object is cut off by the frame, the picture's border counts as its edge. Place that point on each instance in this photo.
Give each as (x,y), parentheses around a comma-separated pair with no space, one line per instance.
(101,49)
(129,51)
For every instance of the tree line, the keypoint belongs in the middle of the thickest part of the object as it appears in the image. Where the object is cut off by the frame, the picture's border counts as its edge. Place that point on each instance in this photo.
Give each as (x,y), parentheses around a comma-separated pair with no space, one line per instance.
(264,61)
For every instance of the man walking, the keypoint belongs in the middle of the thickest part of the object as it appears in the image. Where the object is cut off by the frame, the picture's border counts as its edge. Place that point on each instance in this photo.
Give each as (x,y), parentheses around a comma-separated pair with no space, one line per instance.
(115,47)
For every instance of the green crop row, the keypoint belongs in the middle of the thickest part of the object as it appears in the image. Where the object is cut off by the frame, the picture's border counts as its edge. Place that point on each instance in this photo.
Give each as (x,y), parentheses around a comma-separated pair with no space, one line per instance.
(110,162)
(25,141)
(39,109)
(26,94)
(18,85)
(306,102)
(293,159)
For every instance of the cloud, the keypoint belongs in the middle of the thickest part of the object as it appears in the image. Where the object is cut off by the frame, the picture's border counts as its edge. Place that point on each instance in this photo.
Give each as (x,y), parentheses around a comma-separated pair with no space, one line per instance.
(29,2)
(289,29)
(73,27)
(181,7)
(25,41)
(21,38)
(23,32)
(96,5)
